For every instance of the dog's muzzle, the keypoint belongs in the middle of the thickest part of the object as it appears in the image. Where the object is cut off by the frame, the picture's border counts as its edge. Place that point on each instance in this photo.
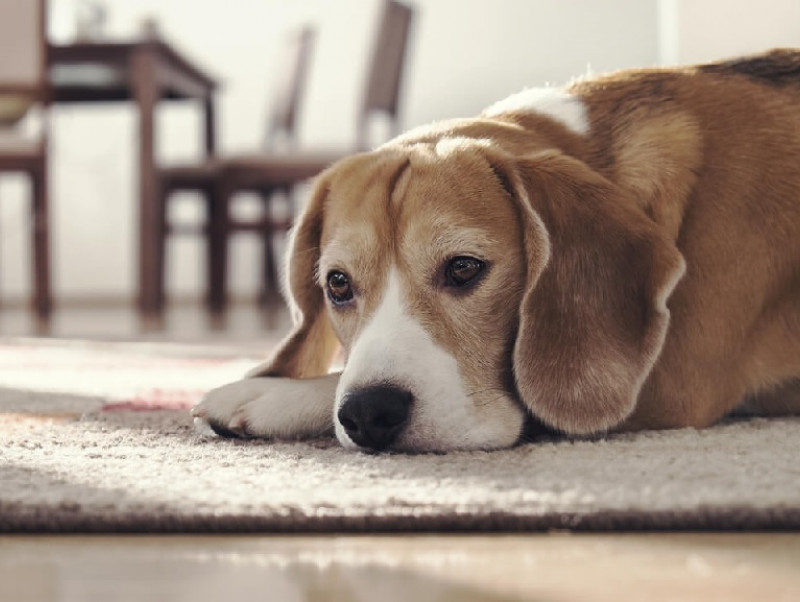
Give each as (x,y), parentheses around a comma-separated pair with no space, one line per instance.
(373,417)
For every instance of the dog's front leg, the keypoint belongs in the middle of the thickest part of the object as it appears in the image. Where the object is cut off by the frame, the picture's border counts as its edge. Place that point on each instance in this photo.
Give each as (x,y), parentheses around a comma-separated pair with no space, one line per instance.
(272,407)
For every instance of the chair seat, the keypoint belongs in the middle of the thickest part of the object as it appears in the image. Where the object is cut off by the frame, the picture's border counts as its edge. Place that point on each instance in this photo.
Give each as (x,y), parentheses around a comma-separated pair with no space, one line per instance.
(278,168)
(195,175)
(262,170)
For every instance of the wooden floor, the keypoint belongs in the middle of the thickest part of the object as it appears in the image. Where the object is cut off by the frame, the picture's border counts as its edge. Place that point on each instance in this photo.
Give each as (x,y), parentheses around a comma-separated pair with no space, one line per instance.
(555,566)
(244,323)
(613,568)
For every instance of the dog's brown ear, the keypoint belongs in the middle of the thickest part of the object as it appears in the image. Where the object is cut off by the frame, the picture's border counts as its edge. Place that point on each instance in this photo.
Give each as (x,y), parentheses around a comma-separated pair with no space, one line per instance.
(308,350)
(593,317)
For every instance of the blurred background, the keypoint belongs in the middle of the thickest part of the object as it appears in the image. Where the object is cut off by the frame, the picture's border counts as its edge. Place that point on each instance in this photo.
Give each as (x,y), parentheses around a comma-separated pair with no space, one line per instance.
(462,55)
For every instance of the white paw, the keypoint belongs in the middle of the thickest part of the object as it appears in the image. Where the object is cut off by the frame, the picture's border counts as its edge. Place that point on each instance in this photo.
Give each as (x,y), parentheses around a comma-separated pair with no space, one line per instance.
(203,427)
(282,408)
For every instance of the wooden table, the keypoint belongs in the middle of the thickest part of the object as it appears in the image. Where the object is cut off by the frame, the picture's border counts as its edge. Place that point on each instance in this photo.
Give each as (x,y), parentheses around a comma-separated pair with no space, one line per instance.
(143,72)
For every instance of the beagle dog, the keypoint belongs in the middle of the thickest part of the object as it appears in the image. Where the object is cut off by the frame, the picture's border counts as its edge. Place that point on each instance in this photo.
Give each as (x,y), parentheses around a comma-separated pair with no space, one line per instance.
(619,254)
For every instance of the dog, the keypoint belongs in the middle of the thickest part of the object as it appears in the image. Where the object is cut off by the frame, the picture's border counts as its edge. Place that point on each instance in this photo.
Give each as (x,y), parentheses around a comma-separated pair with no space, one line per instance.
(619,254)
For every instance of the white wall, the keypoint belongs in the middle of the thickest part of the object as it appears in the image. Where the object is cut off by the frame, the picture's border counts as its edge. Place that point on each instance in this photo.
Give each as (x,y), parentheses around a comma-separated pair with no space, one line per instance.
(705,30)
(466,54)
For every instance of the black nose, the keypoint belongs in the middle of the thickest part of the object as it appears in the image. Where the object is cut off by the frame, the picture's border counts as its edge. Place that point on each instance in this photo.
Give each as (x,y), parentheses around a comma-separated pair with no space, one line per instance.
(373,417)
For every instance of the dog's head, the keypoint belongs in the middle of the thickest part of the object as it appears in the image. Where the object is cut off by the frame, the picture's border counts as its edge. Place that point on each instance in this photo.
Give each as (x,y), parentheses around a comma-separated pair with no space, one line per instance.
(469,287)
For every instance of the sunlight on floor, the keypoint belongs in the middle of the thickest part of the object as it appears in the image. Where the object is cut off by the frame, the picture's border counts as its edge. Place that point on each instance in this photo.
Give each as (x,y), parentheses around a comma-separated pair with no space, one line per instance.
(422,568)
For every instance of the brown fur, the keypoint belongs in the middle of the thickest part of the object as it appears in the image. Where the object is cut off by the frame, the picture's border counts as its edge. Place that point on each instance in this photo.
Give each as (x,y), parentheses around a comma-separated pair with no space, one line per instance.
(586,313)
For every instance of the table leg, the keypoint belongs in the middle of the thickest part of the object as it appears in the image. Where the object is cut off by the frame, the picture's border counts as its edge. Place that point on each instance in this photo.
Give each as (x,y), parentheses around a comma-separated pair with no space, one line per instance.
(145,91)
(42,301)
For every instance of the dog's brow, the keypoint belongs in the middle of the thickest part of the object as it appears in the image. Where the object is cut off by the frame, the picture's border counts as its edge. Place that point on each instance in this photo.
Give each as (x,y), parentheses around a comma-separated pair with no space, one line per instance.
(348,252)
(328,262)
(461,240)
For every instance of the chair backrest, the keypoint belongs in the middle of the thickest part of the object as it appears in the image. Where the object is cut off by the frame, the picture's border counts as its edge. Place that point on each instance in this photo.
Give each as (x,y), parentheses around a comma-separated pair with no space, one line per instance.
(289,86)
(385,75)
(23,49)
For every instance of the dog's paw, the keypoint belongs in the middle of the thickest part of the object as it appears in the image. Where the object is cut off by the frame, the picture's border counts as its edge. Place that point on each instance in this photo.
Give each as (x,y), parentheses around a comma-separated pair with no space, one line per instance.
(279,408)
(222,411)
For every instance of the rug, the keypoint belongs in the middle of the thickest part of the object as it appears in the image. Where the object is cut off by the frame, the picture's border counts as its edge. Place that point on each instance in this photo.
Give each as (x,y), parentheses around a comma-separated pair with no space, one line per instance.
(96,438)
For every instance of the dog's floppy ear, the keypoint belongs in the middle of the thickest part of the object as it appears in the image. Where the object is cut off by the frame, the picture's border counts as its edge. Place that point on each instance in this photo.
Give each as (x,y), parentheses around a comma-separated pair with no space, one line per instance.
(593,317)
(308,350)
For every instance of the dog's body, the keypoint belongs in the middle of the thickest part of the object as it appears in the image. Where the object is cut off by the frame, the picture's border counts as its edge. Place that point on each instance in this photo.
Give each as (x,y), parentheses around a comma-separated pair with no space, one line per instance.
(620,254)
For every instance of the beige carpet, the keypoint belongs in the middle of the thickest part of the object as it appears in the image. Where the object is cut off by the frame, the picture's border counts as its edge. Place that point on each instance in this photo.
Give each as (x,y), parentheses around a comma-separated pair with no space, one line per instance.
(83,449)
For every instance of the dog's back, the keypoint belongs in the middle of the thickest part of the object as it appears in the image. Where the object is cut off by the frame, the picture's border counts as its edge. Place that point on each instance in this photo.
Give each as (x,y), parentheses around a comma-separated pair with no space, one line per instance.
(779,67)
(712,152)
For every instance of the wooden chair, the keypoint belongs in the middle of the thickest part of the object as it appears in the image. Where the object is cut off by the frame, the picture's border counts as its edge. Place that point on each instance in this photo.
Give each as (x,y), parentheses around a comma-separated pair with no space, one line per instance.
(206,177)
(269,173)
(23,84)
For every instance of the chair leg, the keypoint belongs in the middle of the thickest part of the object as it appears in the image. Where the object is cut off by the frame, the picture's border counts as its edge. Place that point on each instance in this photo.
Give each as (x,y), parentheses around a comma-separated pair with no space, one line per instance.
(269,278)
(270,269)
(271,289)
(217,200)
(159,275)
(42,299)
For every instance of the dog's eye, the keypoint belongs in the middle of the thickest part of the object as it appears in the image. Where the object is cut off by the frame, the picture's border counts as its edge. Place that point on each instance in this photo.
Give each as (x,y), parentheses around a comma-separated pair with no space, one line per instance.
(460,271)
(339,289)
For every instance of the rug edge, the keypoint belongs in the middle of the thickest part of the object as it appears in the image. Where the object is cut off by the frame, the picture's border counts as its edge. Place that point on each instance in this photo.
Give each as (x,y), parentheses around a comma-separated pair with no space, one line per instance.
(698,519)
